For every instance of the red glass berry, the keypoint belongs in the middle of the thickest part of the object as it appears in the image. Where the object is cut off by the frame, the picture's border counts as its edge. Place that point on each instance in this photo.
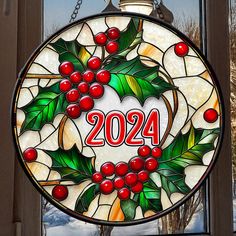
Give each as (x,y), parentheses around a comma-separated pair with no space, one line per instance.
(113,33)
(112,47)
(137,188)
(210,115)
(73,111)
(97,177)
(96,90)
(143,176)
(108,169)
(106,187)
(119,183)
(123,194)
(60,192)
(100,39)
(73,95)
(144,151)
(156,152)
(151,164)
(76,77)
(30,154)
(83,87)
(65,85)
(86,103)
(131,179)
(181,49)
(94,63)
(66,68)
(121,168)
(136,164)
(88,76)
(103,76)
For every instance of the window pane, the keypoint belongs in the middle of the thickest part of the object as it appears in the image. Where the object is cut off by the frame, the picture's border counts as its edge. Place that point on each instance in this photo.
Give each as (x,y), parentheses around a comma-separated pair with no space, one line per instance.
(189,218)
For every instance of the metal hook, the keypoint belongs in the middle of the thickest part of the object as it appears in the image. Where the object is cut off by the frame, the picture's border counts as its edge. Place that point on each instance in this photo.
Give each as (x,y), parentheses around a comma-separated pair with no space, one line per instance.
(6,7)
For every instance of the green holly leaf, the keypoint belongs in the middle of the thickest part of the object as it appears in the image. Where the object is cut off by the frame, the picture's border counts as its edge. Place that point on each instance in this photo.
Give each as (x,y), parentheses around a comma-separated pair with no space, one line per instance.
(130,37)
(43,108)
(149,198)
(136,79)
(72,51)
(71,164)
(129,209)
(186,149)
(86,197)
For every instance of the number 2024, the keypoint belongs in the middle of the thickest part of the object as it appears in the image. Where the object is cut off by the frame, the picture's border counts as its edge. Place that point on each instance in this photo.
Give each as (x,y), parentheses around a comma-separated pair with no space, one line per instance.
(149,128)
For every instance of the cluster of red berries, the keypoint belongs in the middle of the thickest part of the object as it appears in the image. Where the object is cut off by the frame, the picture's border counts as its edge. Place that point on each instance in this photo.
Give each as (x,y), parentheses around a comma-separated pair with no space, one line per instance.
(128,177)
(82,88)
(108,40)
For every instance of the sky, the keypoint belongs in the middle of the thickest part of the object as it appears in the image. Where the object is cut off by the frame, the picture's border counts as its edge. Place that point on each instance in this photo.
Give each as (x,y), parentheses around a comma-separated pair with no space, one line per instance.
(57,12)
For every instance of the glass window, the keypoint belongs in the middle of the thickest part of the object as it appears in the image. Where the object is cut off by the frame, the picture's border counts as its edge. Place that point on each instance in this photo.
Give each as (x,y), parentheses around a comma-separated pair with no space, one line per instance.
(192,217)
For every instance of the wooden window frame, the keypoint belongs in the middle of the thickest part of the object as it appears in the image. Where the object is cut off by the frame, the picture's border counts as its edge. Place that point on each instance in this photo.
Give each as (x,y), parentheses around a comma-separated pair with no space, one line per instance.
(21,32)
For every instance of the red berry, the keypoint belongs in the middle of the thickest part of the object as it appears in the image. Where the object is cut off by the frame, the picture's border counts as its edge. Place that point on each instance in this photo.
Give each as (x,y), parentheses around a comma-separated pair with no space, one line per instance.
(100,39)
(112,47)
(30,154)
(137,188)
(108,169)
(76,77)
(113,33)
(144,151)
(143,176)
(136,164)
(73,111)
(106,187)
(119,183)
(151,164)
(88,76)
(94,63)
(156,152)
(210,115)
(73,95)
(131,179)
(60,192)
(103,76)
(66,68)
(121,168)
(65,85)
(86,103)
(83,87)
(97,177)
(181,49)
(96,90)
(123,194)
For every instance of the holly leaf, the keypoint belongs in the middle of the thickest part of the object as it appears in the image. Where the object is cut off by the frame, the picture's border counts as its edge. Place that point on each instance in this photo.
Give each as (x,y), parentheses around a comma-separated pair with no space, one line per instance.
(43,108)
(149,198)
(71,164)
(129,209)
(133,78)
(186,149)
(72,51)
(86,197)
(130,37)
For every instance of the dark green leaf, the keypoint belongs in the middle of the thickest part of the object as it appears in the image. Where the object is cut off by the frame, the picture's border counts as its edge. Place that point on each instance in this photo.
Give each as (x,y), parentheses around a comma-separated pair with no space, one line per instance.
(186,149)
(149,198)
(136,79)
(43,108)
(71,164)
(72,51)
(86,197)
(129,209)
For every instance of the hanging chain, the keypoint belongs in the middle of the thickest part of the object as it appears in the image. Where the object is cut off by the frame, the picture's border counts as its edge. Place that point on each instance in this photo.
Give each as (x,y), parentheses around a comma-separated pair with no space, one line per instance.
(76,10)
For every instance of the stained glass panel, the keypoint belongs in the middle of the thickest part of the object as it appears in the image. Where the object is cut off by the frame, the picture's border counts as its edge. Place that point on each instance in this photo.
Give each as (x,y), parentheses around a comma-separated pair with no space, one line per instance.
(130,146)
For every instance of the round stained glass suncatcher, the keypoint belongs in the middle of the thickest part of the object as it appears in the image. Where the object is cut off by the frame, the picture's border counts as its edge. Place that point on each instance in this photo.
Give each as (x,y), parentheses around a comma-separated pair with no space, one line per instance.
(117,119)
